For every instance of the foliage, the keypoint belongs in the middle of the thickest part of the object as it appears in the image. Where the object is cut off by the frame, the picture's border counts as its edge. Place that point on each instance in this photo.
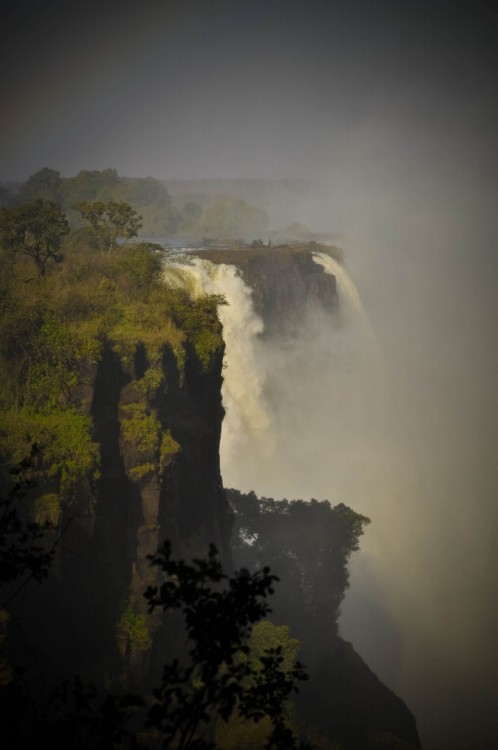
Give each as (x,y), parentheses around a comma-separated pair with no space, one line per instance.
(44,184)
(53,331)
(152,379)
(66,450)
(198,213)
(110,221)
(36,230)
(169,447)
(141,427)
(218,613)
(133,624)
(47,509)
(199,322)
(221,680)
(138,472)
(308,544)
(265,635)
(23,553)
(147,196)
(142,264)
(240,733)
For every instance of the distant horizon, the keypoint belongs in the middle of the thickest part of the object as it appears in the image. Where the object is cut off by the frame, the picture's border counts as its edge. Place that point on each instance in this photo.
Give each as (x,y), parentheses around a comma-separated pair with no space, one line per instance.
(204,178)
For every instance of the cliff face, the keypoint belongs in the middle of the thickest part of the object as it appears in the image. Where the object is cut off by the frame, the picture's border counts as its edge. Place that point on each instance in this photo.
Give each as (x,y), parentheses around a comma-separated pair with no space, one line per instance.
(153,400)
(287,285)
(344,698)
(159,479)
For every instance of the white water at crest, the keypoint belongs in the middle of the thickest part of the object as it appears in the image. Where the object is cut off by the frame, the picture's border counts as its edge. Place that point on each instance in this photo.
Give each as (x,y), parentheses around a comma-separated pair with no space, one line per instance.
(246,419)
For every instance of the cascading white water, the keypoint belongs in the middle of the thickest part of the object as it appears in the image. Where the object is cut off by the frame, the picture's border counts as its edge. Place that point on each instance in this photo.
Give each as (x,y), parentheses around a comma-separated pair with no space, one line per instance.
(349,292)
(247,415)
(298,412)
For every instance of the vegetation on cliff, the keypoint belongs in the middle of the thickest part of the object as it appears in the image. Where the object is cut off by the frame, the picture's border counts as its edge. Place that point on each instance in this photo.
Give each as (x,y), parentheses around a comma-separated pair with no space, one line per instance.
(307,544)
(54,328)
(115,377)
(231,686)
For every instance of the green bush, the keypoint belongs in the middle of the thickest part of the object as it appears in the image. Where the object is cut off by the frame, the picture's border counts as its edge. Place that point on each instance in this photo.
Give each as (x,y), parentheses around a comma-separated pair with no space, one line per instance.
(134,626)
(66,450)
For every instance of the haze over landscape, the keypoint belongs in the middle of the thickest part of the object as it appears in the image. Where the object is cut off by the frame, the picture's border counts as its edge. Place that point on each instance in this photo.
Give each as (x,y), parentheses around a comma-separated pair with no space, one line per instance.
(387,112)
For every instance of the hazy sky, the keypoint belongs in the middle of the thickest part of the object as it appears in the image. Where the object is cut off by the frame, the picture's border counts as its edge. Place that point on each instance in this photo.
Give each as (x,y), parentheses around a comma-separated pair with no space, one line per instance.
(240,88)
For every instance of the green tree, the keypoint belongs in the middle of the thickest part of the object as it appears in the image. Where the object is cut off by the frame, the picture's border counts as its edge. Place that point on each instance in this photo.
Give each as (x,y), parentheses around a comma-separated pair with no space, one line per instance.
(90,185)
(44,184)
(307,544)
(22,551)
(35,229)
(233,671)
(219,681)
(110,221)
(240,733)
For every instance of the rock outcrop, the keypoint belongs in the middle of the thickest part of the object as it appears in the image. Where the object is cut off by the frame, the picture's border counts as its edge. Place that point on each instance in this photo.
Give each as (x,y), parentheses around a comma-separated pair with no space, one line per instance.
(287,285)
(159,479)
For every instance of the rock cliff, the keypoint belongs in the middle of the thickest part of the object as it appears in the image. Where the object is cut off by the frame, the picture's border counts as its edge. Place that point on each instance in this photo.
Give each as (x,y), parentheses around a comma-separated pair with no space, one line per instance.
(145,372)
(159,479)
(286,283)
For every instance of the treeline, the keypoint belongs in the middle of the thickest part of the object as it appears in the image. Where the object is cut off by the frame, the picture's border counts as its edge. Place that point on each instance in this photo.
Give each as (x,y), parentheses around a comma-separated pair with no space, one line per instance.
(223,216)
(308,545)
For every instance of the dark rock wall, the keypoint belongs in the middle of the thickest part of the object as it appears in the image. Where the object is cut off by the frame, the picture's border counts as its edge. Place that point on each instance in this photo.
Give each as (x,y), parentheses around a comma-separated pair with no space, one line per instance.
(287,285)
(90,617)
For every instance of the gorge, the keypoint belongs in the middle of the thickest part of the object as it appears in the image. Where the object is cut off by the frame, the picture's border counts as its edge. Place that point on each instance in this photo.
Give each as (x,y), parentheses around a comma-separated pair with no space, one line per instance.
(145,369)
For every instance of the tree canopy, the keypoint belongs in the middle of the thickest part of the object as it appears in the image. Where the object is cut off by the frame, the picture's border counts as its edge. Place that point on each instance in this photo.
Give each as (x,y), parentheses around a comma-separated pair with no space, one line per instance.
(35,229)
(110,221)
(45,184)
(219,680)
(307,544)
(233,668)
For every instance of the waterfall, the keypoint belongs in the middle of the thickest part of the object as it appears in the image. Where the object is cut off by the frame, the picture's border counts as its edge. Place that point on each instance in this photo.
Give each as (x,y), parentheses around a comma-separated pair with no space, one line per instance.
(350,296)
(298,411)
(247,418)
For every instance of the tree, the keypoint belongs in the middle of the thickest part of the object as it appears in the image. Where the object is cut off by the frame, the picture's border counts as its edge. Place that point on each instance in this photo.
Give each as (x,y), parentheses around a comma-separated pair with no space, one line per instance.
(44,184)
(218,680)
(232,672)
(240,733)
(35,229)
(307,544)
(110,221)
(23,551)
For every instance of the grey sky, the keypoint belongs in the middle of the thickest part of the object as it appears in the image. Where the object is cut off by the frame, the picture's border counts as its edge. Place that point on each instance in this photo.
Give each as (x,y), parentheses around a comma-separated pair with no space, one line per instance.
(236,89)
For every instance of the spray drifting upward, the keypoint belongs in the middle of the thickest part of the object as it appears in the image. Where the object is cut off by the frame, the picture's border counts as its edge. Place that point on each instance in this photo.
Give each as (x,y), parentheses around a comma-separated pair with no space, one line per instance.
(247,417)
(351,296)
